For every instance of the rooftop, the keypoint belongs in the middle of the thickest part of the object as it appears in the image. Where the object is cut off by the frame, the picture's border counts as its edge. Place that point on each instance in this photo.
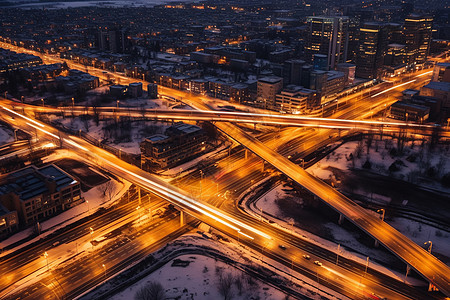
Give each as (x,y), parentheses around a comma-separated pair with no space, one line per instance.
(31,181)
(437,85)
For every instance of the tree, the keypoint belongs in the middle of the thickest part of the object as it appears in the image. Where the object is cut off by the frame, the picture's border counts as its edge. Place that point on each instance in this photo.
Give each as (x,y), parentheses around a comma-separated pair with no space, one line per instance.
(151,291)
(225,284)
(107,189)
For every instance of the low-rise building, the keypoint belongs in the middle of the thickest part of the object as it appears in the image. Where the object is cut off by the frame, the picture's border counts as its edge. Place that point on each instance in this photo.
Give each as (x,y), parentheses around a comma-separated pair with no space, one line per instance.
(8,221)
(178,143)
(294,100)
(268,88)
(441,72)
(231,91)
(404,111)
(39,193)
(135,89)
(438,90)
(118,91)
(152,90)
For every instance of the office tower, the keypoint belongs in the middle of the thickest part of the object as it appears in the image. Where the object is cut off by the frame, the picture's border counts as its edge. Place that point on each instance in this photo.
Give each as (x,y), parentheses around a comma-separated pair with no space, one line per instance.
(417,32)
(372,47)
(328,36)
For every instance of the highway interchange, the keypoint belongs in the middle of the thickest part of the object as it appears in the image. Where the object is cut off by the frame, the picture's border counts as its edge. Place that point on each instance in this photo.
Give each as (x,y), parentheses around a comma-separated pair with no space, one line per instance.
(265,232)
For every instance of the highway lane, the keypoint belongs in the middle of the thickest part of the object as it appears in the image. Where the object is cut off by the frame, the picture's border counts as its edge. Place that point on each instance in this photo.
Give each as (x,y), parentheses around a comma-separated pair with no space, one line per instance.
(237,228)
(421,260)
(241,117)
(74,277)
(21,264)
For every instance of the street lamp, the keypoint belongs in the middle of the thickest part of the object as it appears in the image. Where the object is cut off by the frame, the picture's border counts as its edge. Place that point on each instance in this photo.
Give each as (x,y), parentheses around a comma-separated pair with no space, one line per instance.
(92,238)
(15,134)
(382,210)
(139,213)
(431,245)
(117,103)
(46,258)
(104,268)
(87,202)
(43,104)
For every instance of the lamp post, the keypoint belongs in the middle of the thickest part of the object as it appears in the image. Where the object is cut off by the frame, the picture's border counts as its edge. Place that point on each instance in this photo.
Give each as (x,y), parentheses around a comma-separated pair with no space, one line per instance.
(43,103)
(15,134)
(87,202)
(139,213)
(46,258)
(92,238)
(104,268)
(117,103)
(367,265)
(382,210)
(431,245)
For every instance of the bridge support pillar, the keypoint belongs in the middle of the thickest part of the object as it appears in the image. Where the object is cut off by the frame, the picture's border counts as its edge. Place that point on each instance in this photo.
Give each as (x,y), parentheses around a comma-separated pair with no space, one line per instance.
(341,219)
(246,153)
(182,218)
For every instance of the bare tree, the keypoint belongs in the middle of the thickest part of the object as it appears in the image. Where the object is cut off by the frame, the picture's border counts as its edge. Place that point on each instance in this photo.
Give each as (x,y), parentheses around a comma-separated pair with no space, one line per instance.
(225,285)
(151,291)
(107,189)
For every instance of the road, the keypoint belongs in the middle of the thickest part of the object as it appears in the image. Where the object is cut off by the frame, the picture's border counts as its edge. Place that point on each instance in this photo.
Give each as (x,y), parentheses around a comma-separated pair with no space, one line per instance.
(240,117)
(431,269)
(229,224)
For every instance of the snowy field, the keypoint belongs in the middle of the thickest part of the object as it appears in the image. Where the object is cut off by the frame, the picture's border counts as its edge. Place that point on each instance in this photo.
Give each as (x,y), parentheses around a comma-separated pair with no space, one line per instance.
(73,4)
(200,280)
(349,246)
(136,133)
(411,165)
(6,136)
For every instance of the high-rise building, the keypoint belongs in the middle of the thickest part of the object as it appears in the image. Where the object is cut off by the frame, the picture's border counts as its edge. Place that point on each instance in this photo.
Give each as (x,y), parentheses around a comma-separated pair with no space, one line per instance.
(395,55)
(357,16)
(328,36)
(372,47)
(417,32)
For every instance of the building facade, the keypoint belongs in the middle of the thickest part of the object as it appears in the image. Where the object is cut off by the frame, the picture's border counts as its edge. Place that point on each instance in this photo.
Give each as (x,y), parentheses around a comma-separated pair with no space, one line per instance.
(267,90)
(372,47)
(178,143)
(327,36)
(417,32)
(39,193)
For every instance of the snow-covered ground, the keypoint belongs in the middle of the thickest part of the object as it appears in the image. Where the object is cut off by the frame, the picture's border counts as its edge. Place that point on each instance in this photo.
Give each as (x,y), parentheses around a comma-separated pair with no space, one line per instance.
(199,280)
(421,233)
(137,132)
(415,160)
(342,238)
(6,136)
(104,3)
(94,200)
